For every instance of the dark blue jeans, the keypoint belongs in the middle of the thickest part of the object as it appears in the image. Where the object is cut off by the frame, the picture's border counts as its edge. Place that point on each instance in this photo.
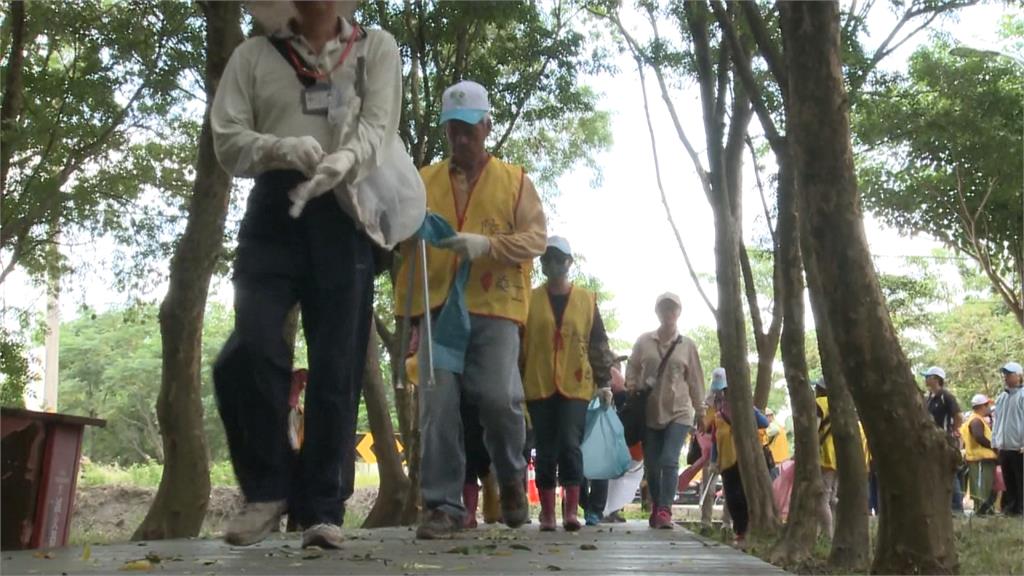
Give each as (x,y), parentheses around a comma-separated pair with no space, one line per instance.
(324,264)
(661,458)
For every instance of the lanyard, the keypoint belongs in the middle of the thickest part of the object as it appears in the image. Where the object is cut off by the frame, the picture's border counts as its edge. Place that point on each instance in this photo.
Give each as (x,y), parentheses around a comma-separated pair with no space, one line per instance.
(304,70)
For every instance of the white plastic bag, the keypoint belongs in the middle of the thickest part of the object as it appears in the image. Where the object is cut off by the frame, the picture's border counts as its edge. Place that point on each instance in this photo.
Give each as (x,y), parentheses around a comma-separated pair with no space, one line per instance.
(390,202)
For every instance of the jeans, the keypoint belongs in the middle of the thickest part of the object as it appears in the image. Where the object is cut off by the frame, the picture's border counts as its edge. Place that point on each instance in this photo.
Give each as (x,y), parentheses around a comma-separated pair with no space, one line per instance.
(323,263)
(1012,463)
(661,458)
(558,424)
(735,499)
(595,498)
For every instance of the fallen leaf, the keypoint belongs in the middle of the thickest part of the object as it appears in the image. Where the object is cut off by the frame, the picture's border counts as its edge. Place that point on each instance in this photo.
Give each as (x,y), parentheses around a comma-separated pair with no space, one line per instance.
(553,568)
(153,557)
(141,565)
(209,562)
(588,547)
(42,554)
(518,546)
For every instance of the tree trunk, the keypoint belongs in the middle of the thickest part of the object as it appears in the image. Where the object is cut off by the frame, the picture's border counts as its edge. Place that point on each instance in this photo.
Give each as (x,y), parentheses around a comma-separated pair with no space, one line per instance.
(798,538)
(408,422)
(180,504)
(850,541)
(394,484)
(14,87)
(915,464)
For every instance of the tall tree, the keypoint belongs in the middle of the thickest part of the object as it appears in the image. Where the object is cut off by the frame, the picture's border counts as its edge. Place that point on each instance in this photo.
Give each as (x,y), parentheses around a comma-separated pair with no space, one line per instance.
(919,538)
(180,504)
(77,153)
(941,152)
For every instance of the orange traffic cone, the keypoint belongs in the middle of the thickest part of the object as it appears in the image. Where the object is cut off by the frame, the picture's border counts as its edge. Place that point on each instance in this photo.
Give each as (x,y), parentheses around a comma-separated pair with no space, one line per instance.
(531,486)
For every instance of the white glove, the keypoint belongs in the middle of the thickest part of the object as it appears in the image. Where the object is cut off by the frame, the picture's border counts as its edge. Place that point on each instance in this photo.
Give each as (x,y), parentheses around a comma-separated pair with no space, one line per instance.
(302,153)
(604,395)
(469,246)
(329,173)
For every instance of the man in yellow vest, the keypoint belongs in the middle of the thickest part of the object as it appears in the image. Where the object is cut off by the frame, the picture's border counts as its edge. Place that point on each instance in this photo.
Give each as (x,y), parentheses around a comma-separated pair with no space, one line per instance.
(827,453)
(567,361)
(774,438)
(500,229)
(981,458)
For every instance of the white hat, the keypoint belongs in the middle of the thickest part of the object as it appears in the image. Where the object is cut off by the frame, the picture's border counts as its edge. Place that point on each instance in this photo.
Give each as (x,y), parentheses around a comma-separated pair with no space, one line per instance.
(1012,368)
(979,400)
(935,371)
(273,15)
(668,296)
(560,244)
(466,101)
(718,380)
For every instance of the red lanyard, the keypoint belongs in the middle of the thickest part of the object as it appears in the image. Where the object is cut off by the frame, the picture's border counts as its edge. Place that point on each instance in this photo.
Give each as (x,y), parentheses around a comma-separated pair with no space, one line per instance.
(304,70)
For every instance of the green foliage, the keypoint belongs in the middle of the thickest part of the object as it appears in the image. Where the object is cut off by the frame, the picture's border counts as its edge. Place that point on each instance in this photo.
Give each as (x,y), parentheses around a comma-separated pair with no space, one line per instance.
(914,298)
(143,475)
(110,368)
(972,342)
(529,56)
(98,121)
(942,146)
(14,368)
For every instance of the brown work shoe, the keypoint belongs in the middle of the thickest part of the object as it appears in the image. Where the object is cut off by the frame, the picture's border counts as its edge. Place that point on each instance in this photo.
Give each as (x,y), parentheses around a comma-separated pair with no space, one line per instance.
(327,536)
(492,502)
(437,526)
(514,509)
(254,522)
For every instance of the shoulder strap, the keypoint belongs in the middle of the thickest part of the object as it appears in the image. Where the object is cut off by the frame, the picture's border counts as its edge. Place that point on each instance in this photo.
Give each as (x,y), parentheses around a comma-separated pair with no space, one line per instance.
(668,354)
(281,45)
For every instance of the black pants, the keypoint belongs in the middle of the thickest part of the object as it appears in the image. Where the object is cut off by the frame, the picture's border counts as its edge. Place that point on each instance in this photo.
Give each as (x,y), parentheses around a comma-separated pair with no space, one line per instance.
(323,263)
(478,460)
(1012,463)
(558,431)
(735,499)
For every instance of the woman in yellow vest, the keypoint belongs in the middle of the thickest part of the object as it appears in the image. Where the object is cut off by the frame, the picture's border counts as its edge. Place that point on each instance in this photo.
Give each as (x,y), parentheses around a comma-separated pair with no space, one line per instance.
(567,361)
(981,458)
(500,228)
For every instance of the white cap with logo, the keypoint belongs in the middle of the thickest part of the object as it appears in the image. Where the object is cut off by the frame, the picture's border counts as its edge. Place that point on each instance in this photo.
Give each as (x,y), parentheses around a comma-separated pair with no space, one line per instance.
(670,297)
(1012,368)
(935,371)
(979,400)
(466,102)
(560,244)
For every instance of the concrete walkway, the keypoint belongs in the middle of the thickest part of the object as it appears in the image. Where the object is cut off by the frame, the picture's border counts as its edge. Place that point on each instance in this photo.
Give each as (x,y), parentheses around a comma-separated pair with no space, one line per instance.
(603,549)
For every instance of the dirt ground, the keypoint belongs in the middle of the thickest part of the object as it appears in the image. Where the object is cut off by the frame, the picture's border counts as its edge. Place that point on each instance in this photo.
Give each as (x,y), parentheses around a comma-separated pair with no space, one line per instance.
(105,514)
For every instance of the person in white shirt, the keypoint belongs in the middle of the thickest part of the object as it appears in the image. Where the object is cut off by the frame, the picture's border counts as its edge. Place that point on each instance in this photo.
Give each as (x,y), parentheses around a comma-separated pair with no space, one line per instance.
(309,108)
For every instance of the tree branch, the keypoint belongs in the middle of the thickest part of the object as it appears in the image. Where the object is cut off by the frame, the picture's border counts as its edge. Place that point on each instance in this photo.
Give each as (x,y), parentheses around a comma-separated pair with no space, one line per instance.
(751,293)
(665,200)
(760,190)
(768,50)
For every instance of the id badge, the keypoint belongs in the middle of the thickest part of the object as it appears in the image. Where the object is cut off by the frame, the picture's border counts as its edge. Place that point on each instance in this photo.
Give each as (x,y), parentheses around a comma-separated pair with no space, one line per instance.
(316,99)
(335,106)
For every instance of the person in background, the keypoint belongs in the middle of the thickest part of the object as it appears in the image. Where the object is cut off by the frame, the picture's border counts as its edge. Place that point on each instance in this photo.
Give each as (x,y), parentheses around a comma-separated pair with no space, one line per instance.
(945,410)
(568,362)
(594,496)
(1008,437)
(827,457)
(981,458)
(725,453)
(668,365)
(776,441)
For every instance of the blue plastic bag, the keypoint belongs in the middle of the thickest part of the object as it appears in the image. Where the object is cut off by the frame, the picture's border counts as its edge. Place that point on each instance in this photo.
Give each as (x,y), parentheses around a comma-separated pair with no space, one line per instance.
(605,454)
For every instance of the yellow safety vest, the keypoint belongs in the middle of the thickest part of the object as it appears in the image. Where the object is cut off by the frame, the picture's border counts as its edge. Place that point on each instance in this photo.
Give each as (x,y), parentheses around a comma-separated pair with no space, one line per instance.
(557,359)
(726,447)
(826,446)
(779,446)
(497,289)
(973,451)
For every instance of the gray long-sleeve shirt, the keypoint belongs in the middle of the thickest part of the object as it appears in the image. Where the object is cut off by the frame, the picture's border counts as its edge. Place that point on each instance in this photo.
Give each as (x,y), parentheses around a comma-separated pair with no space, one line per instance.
(1008,421)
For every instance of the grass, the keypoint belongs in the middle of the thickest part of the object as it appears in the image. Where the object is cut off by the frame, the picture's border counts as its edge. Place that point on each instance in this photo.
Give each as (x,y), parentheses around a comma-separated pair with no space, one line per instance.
(988,545)
(148,475)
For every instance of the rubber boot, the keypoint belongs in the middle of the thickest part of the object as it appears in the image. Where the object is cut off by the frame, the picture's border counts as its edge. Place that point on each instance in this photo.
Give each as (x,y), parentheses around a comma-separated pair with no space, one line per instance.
(547,510)
(491,497)
(570,508)
(470,496)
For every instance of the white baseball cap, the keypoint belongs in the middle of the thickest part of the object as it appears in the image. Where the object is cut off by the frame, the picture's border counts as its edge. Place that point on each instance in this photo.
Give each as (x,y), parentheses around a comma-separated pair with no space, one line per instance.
(979,400)
(1012,368)
(935,371)
(668,296)
(560,244)
(466,102)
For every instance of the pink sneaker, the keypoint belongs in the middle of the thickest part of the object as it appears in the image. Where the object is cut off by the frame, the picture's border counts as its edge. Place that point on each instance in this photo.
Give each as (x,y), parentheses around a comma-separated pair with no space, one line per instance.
(663,519)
